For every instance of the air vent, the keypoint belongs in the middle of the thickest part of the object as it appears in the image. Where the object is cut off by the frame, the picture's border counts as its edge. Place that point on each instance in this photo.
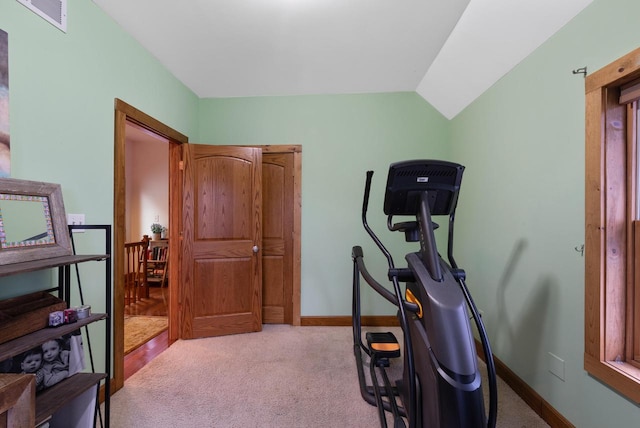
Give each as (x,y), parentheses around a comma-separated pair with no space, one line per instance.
(54,11)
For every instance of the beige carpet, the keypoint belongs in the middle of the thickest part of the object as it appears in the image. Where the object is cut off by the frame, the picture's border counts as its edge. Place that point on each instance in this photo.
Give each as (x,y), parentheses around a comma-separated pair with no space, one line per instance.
(281,377)
(140,329)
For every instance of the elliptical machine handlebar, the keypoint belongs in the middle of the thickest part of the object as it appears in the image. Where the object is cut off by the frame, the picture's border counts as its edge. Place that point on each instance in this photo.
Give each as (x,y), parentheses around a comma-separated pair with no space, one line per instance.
(365,206)
(357,256)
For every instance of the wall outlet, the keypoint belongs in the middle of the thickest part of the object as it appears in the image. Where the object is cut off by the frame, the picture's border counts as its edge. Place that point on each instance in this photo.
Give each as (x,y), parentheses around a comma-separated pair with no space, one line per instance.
(556,366)
(75,219)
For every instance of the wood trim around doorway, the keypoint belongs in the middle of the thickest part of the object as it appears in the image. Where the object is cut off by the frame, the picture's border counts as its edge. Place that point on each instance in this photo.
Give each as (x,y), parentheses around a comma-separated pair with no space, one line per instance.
(126,113)
(123,113)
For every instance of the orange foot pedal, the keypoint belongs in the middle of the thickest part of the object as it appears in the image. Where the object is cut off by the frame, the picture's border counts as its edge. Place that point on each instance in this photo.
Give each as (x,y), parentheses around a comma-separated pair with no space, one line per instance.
(384,345)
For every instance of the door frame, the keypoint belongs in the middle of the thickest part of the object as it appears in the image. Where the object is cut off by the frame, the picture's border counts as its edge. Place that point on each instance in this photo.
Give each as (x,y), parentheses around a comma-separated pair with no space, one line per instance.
(123,113)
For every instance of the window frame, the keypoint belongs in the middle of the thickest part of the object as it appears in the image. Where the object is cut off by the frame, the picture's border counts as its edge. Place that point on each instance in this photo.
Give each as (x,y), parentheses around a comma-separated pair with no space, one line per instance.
(633,290)
(611,299)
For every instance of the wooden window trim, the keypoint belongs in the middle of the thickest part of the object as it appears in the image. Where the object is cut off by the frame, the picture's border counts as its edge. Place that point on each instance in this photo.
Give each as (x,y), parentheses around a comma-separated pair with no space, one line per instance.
(633,238)
(609,241)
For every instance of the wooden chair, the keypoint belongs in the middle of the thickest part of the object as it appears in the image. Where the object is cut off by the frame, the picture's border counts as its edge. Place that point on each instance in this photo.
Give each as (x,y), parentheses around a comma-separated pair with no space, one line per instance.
(135,270)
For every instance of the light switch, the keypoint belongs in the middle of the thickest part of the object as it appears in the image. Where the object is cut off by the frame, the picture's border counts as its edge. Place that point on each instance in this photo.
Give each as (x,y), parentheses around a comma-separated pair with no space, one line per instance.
(76,219)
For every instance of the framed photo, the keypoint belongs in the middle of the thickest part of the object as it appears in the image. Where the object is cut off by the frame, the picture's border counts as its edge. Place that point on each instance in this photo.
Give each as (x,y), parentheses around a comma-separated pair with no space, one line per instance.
(51,362)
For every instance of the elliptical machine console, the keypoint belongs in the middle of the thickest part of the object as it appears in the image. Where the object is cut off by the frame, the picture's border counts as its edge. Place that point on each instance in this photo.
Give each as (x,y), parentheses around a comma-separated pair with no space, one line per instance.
(441,385)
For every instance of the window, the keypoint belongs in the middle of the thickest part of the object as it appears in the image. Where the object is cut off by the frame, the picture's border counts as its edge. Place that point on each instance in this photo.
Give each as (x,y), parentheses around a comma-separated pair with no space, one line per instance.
(612,228)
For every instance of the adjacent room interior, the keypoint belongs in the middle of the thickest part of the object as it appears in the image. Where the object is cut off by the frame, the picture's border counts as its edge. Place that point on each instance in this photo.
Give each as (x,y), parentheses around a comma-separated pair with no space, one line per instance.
(146,254)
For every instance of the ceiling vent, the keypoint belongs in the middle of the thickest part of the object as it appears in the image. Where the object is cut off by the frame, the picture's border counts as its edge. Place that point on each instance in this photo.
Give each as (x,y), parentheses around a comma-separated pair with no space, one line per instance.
(54,11)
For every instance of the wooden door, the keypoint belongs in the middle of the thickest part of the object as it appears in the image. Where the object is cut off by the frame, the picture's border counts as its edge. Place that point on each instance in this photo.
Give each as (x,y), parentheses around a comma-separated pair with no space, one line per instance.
(221,260)
(277,237)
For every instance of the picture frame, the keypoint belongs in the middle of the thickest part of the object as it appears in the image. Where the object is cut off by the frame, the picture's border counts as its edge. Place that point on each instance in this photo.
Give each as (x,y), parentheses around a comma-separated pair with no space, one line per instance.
(51,362)
(47,235)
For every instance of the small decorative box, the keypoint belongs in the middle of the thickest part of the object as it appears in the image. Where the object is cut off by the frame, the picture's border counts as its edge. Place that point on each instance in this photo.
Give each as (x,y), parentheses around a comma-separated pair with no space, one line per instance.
(56,318)
(70,316)
(83,311)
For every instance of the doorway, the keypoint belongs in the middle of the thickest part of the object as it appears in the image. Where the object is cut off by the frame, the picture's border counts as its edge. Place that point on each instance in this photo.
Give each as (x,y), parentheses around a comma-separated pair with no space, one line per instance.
(147,203)
(126,114)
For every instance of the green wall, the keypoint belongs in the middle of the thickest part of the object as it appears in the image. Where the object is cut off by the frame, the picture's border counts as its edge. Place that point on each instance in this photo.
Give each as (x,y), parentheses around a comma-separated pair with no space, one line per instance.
(61,99)
(521,213)
(521,207)
(342,136)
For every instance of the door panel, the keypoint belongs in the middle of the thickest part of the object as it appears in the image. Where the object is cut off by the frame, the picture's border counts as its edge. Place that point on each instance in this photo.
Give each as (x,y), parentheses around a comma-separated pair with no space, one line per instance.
(277,241)
(222,275)
(233,298)
(273,290)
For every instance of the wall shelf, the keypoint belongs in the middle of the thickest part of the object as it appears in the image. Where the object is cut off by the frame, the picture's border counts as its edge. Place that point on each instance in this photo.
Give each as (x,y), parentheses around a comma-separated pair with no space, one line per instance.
(54,398)
(24,343)
(68,391)
(34,265)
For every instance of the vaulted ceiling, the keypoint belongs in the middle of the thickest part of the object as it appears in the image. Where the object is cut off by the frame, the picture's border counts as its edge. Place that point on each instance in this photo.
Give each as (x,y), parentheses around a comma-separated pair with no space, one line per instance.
(448,51)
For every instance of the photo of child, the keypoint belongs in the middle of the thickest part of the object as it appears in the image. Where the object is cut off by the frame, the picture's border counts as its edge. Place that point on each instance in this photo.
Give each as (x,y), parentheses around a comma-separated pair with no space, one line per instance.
(32,363)
(55,364)
(51,362)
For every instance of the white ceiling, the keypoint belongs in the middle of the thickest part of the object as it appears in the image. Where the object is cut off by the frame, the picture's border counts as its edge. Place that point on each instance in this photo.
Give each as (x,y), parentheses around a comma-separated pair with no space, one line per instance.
(449,51)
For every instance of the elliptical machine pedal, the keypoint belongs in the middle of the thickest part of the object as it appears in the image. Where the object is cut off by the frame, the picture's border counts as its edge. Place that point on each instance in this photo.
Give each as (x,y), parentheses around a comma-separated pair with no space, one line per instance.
(384,346)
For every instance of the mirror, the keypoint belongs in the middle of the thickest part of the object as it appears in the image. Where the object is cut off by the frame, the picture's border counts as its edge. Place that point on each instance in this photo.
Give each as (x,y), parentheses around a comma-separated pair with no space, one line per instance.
(25,221)
(33,222)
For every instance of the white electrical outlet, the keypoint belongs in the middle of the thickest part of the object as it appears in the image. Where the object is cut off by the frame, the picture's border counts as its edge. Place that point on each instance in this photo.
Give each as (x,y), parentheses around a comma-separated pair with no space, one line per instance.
(76,219)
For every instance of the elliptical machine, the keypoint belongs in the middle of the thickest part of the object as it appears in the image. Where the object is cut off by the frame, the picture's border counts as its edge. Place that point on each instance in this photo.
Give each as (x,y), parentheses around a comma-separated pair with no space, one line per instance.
(441,385)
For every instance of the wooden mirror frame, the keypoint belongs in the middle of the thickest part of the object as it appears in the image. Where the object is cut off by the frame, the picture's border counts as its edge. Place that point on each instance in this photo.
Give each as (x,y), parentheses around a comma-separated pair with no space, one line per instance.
(53,193)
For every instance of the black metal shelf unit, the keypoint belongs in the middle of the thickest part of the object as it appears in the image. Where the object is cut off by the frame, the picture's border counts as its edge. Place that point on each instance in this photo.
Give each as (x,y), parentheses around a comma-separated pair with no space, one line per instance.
(54,398)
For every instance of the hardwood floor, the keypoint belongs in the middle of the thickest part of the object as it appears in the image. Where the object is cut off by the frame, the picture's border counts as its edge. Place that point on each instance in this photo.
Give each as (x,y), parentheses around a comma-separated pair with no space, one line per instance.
(140,357)
(155,305)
